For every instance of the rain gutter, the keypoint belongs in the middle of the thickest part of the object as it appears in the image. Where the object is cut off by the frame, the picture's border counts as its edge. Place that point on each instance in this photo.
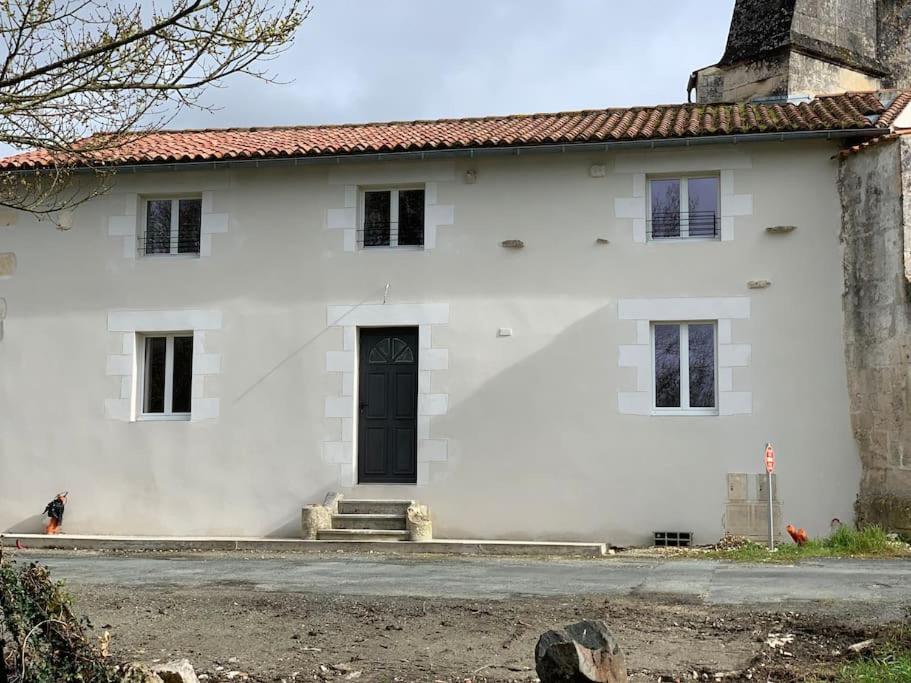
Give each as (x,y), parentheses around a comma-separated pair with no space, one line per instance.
(477,152)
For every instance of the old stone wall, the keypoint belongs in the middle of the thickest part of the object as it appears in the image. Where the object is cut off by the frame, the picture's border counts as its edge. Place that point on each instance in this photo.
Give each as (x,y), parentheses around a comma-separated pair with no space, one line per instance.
(875,189)
(895,41)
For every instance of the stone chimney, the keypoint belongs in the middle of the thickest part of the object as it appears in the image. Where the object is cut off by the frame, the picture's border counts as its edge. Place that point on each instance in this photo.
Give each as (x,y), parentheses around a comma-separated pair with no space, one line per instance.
(789,49)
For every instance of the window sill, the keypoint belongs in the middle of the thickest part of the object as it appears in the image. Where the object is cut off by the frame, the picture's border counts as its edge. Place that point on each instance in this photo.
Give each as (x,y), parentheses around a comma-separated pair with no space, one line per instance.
(409,247)
(161,417)
(697,238)
(686,412)
(176,257)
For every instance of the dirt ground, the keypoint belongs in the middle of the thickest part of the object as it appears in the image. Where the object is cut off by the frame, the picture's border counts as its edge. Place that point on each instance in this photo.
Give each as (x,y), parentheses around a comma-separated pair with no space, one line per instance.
(233,633)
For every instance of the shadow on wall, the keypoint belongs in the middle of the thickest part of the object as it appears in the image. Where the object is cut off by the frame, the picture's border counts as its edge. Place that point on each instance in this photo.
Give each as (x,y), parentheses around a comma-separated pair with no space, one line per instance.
(29,525)
(592,474)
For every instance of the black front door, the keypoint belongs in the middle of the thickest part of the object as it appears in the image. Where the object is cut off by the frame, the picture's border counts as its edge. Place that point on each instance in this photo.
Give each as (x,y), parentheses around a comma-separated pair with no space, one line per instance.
(388,406)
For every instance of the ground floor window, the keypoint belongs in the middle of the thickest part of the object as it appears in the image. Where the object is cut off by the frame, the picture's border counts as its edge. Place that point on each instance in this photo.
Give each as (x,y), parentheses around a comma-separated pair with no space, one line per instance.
(685,363)
(166,378)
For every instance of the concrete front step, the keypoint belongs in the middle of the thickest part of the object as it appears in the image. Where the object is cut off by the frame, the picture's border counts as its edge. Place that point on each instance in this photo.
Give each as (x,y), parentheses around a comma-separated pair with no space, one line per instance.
(365,506)
(367,521)
(362,535)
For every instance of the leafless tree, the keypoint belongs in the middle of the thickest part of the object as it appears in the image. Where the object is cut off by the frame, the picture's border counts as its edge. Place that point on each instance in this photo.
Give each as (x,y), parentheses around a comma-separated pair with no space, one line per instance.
(81,78)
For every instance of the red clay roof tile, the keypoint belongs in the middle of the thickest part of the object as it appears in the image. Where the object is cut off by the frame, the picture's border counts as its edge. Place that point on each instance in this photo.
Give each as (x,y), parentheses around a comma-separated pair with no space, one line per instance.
(848,111)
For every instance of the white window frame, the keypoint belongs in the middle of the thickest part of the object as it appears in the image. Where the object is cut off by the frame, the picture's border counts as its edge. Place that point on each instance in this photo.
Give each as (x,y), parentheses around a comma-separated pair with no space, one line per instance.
(168,413)
(682,179)
(174,234)
(393,216)
(683,326)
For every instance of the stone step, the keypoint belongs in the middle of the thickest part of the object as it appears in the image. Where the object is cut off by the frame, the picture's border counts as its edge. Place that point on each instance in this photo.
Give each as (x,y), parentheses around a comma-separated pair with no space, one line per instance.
(362,535)
(353,506)
(369,521)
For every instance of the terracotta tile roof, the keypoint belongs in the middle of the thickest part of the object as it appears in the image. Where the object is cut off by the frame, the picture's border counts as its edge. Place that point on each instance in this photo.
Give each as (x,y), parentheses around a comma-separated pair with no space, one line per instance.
(848,111)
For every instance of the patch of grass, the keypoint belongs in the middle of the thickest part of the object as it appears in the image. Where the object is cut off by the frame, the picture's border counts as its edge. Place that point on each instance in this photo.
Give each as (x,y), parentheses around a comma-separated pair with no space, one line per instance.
(869,541)
(885,669)
(889,664)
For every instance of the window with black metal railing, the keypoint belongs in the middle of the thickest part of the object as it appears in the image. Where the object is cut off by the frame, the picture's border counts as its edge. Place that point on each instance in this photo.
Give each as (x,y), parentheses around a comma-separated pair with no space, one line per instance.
(392,218)
(171,227)
(678,225)
(683,207)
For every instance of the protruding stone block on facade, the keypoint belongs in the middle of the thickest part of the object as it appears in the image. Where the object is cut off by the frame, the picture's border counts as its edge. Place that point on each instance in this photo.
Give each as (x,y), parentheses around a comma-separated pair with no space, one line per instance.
(315,518)
(7,264)
(583,652)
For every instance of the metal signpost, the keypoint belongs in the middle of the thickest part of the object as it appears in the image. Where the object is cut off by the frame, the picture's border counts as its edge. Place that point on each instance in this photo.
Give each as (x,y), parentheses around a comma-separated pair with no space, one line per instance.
(769,468)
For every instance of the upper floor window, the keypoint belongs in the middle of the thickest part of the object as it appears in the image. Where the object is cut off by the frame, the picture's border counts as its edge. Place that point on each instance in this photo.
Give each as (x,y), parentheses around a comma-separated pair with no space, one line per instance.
(166,378)
(683,207)
(685,363)
(171,226)
(392,218)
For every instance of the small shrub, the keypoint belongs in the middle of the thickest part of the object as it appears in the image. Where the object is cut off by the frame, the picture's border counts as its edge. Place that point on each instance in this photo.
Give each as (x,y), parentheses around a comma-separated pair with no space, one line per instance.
(868,540)
(45,641)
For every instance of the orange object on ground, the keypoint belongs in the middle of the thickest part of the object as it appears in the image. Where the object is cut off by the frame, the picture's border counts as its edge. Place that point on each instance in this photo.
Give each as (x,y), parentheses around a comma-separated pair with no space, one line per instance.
(799,535)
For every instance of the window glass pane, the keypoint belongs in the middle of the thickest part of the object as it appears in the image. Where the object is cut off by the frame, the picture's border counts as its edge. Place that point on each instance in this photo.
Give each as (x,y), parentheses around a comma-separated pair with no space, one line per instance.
(183,375)
(703,206)
(376,219)
(189,219)
(411,217)
(153,377)
(667,366)
(665,199)
(158,226)
(702,365)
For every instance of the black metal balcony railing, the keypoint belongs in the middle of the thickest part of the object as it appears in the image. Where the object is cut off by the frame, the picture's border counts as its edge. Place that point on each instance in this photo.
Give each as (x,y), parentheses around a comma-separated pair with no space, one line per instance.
(391,234)
(162,245)
(676,225)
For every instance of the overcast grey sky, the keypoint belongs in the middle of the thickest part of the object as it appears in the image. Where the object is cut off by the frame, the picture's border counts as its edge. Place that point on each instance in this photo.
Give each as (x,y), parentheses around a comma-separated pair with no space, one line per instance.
(377,60)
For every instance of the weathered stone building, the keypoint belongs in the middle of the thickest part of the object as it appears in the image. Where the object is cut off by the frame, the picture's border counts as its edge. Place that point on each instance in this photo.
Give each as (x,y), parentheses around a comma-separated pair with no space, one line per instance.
(800,48)
(790,49)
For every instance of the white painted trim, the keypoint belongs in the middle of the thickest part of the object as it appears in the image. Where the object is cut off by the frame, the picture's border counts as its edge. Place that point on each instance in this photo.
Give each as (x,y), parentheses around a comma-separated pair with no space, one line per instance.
(340,413)
(685,308)
(125,365)
(638,166)
(129,224)
(638,400)
(163,321)
(349,214)
(403,172)
(379,315)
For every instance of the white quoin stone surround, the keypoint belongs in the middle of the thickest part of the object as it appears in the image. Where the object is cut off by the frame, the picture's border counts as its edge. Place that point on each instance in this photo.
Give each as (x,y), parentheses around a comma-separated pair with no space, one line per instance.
(127,324)
(340,408)
(640,167)
(127,224)
(344,218)
(639,355)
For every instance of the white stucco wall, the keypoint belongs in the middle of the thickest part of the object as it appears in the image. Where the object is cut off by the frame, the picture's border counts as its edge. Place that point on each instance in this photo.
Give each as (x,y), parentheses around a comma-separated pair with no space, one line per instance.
(524,436)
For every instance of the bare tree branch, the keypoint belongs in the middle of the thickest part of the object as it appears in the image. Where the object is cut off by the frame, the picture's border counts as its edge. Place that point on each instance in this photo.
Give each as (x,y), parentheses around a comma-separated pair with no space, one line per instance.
(80,78)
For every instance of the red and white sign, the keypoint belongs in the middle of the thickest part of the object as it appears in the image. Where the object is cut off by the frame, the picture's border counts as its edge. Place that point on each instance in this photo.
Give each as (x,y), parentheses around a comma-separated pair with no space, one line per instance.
(769,458)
